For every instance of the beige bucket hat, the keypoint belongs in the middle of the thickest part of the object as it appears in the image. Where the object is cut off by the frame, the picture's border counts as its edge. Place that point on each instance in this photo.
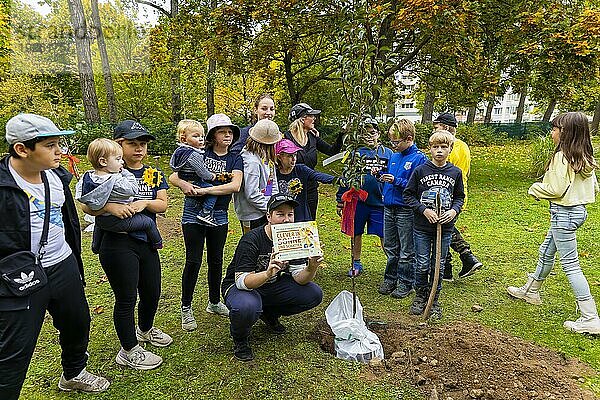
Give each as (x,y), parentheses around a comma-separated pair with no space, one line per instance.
(265,131)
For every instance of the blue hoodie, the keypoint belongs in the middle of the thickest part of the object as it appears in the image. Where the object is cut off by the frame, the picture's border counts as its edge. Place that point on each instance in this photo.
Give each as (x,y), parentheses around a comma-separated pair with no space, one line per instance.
(401,165)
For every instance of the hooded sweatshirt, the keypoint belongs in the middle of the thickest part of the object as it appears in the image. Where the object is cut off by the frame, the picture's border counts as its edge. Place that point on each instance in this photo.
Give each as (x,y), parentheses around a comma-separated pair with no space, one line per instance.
(259,183)
(423,185)
(562,186)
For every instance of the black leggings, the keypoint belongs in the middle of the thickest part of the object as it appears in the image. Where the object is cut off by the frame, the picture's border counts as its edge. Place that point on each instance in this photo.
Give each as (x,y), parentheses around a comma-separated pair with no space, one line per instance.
(194,236)
(132,267)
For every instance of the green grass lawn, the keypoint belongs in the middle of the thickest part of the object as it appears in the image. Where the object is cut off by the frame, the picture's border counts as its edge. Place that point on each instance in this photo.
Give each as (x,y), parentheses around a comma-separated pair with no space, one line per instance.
(503,225)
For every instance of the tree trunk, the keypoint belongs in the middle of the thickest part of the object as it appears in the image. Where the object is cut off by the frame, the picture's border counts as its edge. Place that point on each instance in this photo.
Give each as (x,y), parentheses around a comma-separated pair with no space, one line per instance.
(549,111)
(210,78)
(471,115)
(596,119)
(488,110)
(428,106)
(84,62)
(521,106)
(175,73)
(210,88)
(289,78)
(108,82)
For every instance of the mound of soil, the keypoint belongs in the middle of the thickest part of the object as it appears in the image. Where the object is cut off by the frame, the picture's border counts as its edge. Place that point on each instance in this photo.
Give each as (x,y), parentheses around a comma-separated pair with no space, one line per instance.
(465,360)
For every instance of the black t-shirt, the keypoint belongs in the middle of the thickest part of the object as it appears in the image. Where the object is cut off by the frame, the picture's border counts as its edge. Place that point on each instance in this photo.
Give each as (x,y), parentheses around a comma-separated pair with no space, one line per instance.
(218,164)
(252,254)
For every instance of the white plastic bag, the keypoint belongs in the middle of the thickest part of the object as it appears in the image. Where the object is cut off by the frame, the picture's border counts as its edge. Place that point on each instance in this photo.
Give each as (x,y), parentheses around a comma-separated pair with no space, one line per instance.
(353,341)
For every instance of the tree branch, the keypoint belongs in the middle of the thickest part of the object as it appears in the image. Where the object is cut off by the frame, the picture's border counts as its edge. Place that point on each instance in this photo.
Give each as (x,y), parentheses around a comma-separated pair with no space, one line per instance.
(155,6)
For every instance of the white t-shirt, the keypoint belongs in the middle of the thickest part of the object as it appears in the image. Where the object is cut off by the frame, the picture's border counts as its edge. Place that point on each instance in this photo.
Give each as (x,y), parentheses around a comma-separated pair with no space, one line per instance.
(57,248)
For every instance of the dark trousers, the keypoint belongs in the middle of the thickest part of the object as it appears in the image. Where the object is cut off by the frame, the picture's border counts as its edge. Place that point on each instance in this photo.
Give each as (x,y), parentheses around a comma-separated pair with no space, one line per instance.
(255,223)
(312,198)
(284,297)
(458,243)
(21,320)
(194,236)
(132,268)
(138,222)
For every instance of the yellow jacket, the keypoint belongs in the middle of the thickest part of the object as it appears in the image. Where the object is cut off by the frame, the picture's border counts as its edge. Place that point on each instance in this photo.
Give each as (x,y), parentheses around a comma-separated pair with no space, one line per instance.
(461,157)
(561,185)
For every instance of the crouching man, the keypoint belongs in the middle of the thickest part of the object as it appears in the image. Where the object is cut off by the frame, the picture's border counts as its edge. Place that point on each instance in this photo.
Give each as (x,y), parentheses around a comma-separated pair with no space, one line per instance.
(257,285)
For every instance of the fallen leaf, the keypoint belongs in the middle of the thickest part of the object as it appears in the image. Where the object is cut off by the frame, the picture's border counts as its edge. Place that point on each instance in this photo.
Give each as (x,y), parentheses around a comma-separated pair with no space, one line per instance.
(98,310)
(102,279)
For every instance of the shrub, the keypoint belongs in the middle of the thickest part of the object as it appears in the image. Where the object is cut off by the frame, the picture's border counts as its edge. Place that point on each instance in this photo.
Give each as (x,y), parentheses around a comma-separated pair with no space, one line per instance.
(541,151)
(480,135)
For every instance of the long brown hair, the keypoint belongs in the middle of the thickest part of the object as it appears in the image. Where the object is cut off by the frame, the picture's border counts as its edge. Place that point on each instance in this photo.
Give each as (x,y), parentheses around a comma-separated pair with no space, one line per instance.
(257,102)
(574,142)
(266,152)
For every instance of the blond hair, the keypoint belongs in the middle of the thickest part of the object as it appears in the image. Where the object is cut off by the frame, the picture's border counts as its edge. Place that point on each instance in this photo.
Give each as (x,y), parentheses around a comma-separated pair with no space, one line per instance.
(402,129)
(441,137)
(185,126)
(297,130)
(102,148)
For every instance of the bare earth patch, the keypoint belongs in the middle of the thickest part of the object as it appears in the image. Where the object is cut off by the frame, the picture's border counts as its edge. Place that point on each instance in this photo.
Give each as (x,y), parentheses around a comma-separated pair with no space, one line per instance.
(169,228)
(465,360)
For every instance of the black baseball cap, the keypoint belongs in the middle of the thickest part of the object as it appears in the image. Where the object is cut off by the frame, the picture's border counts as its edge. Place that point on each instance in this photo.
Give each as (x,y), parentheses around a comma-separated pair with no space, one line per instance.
(302,109)
(446,119)
(130,129)
(278,199)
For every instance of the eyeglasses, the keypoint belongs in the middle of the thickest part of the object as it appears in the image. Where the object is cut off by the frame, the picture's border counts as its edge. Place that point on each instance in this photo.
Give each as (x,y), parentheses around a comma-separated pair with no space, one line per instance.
(396,142)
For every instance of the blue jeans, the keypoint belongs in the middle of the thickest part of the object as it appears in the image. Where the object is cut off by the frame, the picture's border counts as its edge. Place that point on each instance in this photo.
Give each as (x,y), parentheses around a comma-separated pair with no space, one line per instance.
(561,238)
(425,257)
(284,297)
(398,245)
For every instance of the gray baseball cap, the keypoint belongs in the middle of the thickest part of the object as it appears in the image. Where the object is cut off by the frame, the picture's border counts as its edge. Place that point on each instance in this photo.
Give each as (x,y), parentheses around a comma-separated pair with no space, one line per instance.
(24,127)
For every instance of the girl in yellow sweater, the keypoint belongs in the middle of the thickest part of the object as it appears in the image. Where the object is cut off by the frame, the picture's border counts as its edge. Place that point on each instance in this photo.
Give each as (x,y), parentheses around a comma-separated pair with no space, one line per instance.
(569,184)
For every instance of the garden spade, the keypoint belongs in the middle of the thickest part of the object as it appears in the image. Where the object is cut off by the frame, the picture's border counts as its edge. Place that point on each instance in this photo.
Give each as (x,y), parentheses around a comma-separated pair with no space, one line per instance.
(438,257)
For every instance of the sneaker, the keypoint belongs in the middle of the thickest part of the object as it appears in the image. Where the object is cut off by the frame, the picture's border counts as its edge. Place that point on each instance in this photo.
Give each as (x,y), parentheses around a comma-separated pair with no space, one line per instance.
(448,278)
(470,265)
(85,381)
(138,358)
(420,301)
(402,291)
(219,309)
(273,324)
(154,336)
(357,269)
(436,311)
(242,351)
(188,322)
(386,287)
(207,219)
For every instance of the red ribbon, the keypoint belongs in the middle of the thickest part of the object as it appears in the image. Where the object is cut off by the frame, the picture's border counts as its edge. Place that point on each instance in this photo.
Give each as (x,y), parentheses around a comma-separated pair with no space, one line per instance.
(350,199)
(73,161)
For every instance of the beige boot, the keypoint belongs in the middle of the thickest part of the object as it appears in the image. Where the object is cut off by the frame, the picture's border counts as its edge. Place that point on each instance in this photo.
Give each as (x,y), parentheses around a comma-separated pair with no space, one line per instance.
(588,322)
(530,292)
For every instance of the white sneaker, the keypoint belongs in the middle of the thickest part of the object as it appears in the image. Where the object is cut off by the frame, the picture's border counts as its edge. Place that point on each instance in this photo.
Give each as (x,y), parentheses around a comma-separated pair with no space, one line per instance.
(188,322)
(85,381)
(154,336)
(138,358)
(219,308)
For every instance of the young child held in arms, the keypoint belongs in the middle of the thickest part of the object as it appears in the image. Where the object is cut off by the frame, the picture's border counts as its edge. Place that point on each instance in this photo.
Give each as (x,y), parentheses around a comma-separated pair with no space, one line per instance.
(569,184)
(437,176)
(109,182)
(188,162)
(398,217)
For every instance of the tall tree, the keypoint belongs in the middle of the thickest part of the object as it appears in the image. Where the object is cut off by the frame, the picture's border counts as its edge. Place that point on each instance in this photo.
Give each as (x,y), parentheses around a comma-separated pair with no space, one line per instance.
(108,81)
(84,61)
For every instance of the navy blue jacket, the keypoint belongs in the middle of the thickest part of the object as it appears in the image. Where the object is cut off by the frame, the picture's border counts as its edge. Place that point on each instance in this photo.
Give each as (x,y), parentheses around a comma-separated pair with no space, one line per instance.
(401,165)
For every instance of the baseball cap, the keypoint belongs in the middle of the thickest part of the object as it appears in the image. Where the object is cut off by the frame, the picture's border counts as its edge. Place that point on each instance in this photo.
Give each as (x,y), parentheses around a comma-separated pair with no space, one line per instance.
(446,119)
(130,129)
(302,109)
(286,146)
(278,199)
(265,131)
(216,121)
(368,120)
(24,127)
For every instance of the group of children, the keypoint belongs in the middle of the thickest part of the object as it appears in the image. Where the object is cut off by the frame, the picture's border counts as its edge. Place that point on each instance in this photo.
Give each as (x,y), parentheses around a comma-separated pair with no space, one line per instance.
(408,195)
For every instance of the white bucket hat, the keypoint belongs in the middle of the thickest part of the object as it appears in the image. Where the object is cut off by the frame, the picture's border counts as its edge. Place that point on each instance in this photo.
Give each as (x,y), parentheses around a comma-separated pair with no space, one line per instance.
(265,131)
(216,121)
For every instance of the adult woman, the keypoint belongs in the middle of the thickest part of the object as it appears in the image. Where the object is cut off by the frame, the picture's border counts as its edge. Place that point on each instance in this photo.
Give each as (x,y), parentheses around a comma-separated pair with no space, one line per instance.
(304,134)
(131,264)
(260,179)
(228,167)
(264,108)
